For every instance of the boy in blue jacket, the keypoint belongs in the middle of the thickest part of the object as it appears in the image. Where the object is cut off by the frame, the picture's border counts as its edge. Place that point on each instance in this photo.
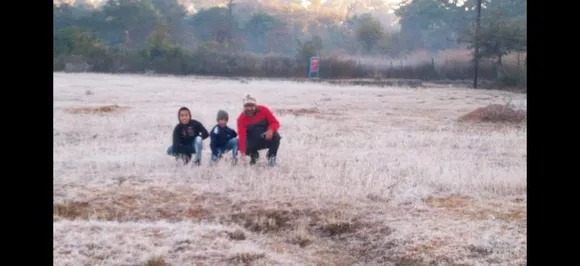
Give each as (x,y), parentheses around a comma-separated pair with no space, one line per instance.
(223,138)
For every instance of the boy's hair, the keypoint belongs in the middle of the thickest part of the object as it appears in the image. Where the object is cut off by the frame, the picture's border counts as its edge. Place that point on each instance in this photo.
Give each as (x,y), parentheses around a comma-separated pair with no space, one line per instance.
(222,115)
(182,109)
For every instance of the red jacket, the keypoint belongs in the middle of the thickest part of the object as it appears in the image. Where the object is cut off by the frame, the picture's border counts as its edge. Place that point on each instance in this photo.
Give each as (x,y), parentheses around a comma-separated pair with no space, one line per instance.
(252,127)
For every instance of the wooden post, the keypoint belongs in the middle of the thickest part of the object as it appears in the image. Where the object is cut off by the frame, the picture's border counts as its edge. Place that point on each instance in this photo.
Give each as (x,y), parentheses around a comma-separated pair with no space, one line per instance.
(526,71)
(476,45)
(519,69)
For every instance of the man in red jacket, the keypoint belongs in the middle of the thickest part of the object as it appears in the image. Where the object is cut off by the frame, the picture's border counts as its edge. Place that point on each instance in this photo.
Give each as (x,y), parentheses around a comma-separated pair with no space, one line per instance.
(258,130)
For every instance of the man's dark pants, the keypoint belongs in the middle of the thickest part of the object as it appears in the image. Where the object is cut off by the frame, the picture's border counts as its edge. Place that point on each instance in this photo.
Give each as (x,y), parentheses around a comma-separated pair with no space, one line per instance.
(257,144)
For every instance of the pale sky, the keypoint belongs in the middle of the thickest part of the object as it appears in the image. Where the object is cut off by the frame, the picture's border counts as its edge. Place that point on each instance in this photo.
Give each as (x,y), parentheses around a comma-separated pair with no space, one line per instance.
(305,3)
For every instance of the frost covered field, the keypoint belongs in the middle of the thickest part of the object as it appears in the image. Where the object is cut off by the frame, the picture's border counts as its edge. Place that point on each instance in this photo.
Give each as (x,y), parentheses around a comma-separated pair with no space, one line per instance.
(365,176)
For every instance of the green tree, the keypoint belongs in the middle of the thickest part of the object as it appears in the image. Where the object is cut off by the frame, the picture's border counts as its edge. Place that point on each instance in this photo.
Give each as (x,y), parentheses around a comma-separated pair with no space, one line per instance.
(368,32)
(210,24)
(498,36)
(62,16)
(161,54)
(82,45)
(173,16)
(65,15)
(309,48)
(261,30)
(438,24)
(433,24)
(128,22)
(390,44)
(159,38)
(74,41)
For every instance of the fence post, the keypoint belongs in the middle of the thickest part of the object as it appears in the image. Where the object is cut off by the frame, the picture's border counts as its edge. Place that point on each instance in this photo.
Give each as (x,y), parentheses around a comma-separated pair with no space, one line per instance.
(433,66)
(519,70)
(526,72)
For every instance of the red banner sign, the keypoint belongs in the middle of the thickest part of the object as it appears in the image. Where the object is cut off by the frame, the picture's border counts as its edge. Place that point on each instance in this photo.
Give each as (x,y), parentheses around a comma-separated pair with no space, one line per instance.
(314,65)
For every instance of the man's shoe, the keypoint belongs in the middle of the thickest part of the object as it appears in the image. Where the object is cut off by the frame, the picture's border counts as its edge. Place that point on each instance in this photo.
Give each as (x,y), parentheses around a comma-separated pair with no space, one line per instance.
(272,161)
(254,158)
(197,162)
(234,161)
(253,161)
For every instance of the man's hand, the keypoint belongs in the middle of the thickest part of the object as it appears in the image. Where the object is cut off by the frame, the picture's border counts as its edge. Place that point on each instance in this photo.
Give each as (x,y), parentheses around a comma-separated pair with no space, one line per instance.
(268,134)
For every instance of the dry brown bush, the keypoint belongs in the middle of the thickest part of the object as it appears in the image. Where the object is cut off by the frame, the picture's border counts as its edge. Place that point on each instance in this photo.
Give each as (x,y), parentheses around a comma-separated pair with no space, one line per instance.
(71,210)
(76,67)
(379,82)
(453,201)
(237,235)
(312,112)
(96,109)
(246,257)
(495,113)
(302,235)
(159,261)
(297,111)
(466,207)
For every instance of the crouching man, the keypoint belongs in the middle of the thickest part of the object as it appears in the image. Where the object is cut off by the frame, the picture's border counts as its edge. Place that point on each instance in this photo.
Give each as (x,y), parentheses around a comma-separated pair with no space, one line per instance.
(258,130)
(223,138)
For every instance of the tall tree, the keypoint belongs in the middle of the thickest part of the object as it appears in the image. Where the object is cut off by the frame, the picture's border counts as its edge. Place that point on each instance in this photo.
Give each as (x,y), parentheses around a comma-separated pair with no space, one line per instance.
(172,13)
(368,32)
(210,24)
(497,33)
(129,22)
(438,24)
(432,24)
(260,31)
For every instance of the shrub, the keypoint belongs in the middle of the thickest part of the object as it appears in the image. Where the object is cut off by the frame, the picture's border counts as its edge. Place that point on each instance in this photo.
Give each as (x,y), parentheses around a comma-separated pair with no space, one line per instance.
(208,60)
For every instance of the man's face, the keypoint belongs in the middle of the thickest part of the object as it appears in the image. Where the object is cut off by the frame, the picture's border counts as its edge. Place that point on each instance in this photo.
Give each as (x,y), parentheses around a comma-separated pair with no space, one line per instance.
(184,116)
(250,109)
(222,122)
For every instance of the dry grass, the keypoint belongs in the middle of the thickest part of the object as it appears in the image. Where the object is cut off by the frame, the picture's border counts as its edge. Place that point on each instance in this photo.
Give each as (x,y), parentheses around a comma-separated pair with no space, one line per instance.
(445,59)
(391,180)
(453,201)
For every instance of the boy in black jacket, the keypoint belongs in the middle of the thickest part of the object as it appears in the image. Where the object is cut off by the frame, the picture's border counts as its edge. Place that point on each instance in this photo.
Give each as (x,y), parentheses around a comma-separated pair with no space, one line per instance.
(223,138)
(187,137)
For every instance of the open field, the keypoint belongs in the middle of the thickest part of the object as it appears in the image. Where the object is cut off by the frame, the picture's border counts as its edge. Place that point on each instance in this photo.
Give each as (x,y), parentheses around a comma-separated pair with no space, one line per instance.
(365,176)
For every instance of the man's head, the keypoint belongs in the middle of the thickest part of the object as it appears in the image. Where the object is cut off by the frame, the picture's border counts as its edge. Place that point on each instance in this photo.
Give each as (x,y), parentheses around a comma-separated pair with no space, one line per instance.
(222,118)
(184,115)
(249,105)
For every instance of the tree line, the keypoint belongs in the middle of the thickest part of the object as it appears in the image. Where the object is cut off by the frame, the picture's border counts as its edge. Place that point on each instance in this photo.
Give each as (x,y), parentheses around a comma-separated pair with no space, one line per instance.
(237,37)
